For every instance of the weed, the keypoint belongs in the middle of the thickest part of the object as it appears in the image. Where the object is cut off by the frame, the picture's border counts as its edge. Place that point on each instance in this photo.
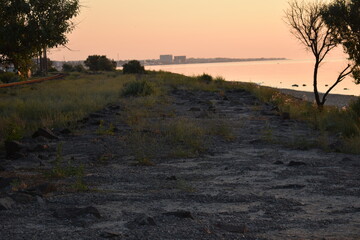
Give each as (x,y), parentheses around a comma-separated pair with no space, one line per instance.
(61,170)
(138,88)
(103,130)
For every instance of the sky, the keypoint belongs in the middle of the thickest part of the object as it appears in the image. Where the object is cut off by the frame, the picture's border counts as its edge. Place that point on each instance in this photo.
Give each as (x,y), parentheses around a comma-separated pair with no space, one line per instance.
(145,29)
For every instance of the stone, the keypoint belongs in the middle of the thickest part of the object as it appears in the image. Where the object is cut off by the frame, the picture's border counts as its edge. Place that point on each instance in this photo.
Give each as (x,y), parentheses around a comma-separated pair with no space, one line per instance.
(46,133)
(40,147)
(108,234)
(6,203)
(278,162)
(285,115)
(13,149)
(96,115)
(42,189)
(22,198)
(142,220)
(65,131)
(295,164)
(171,178)
(289,186)
(75,212)
(180,214)
(6,183)
(242,228)
(194,109)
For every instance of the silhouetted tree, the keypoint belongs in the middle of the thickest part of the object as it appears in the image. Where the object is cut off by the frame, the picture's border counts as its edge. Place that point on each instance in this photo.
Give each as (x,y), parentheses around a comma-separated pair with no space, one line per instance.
(308,26)
(133,66)
(343,17)
(29,27)
(100,63)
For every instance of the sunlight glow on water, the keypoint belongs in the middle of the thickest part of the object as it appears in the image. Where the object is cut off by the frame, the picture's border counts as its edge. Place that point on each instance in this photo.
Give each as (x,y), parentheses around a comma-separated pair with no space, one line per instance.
(279,74)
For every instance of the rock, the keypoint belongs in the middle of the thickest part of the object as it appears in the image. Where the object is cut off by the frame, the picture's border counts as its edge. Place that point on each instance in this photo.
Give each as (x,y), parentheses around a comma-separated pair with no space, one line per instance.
(2,168)
(194,109)
(6,203)
(295,164)
(232,228)
(96,115)
(73,213)
(289,186)
(142,220)
(346,159)
(65,131)
(6,183)
(278,162)
(42,189)
(13,149)
(225,98)
(107,234)
(285,115)
(180,214)
(40,147)
(46,133)
(22,198)
(172,178)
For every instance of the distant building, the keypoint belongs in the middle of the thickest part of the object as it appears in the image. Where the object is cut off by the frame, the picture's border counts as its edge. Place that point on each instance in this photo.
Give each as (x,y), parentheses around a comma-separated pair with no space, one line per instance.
(180,59)
(166,59)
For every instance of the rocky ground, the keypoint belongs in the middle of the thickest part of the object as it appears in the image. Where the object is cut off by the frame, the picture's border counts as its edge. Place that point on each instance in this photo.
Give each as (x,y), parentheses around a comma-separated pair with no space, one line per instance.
(272,181)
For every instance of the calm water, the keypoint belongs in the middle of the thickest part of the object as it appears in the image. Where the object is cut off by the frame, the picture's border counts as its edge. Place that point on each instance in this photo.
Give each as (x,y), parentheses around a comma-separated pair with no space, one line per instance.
(280,74)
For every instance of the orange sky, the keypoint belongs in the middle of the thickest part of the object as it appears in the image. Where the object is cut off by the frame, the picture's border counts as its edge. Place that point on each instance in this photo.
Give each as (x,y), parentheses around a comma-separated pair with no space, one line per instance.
(144,29)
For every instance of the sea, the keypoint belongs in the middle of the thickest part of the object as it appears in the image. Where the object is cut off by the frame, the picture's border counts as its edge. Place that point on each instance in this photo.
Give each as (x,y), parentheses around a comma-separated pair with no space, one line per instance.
(287,74)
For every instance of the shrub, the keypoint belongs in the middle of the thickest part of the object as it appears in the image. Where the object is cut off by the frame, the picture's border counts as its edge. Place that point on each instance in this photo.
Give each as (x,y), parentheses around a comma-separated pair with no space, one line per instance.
(67,67)
(133,66)
(79,68)
(205,77)
(137,88)
(354,108)
(9,77)
(100,63)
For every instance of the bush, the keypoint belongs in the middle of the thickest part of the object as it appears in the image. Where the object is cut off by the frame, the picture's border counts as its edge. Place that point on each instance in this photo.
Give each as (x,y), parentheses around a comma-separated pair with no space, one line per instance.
(205,77)
(133,66)
(79,68)
(137,88)
(67,67)
(354,108)
(9,77)
(100,63)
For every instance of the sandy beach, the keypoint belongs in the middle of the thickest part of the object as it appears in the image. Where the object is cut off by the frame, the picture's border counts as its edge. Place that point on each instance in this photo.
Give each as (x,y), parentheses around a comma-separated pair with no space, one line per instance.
(338,100)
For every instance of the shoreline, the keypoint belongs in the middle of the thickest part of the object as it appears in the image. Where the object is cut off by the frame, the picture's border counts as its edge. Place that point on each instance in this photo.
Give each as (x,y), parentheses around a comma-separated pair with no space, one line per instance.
(338,100)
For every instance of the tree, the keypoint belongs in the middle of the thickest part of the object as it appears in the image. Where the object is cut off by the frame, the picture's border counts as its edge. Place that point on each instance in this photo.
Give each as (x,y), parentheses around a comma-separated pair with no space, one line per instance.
(100,63)
(308,26)
(15,34)
(343,17)
(133,66)
(29,27)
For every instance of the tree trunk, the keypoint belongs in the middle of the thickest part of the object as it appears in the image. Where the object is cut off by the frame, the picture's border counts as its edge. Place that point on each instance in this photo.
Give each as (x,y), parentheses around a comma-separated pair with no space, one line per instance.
(316,92)
(45,62)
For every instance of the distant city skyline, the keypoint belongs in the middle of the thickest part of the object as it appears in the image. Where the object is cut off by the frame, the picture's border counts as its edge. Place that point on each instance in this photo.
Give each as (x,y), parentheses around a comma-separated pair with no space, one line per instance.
(143,29)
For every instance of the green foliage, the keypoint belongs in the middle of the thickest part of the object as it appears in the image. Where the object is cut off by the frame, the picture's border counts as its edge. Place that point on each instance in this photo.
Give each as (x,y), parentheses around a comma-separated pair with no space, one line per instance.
(133,66)
(205,77)
(28,27)
(100,63)
(13,132)
(61,169)
(343,17)
(68,67)
(137,88)
(9,77)
(103,130)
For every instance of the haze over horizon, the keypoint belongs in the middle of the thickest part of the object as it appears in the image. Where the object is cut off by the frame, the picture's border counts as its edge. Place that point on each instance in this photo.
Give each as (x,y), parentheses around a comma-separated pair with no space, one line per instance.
(143,29)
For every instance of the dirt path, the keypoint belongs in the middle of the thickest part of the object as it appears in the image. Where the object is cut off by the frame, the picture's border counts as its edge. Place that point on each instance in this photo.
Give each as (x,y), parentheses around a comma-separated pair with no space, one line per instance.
(271,182)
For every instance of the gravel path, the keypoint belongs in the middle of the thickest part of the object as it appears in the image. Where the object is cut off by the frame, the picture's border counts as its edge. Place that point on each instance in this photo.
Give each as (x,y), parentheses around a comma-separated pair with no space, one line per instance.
(271,182)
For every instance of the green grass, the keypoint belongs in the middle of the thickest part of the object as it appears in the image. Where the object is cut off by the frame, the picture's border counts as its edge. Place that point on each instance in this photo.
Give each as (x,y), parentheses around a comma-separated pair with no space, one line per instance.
(146,101)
